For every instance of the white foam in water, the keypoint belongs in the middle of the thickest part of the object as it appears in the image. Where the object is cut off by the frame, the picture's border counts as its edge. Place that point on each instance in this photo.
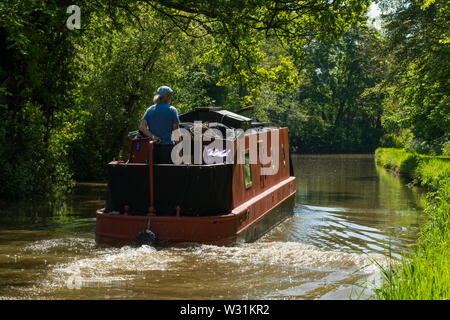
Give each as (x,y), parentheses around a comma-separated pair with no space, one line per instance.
(292,254)
(65,244)
(334,270)
(112,265)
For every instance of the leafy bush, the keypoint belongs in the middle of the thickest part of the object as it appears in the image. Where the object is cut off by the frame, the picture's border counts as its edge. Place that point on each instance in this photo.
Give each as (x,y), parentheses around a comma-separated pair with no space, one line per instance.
(446,149)
(28,167)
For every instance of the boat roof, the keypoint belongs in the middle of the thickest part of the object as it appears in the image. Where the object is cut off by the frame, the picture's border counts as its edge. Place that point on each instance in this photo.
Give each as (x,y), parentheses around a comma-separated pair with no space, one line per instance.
(217,114)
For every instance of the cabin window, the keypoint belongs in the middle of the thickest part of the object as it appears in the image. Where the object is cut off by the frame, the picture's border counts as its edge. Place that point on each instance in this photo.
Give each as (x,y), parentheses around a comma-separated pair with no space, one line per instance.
(247,170)
(284,155)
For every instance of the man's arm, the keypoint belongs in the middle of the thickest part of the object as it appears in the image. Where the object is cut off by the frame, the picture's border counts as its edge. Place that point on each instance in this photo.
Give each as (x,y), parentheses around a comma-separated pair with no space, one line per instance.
(144,130)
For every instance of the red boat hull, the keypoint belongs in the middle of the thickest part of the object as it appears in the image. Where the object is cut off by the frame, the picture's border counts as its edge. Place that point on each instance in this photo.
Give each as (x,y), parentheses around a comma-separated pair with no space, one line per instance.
(247,222)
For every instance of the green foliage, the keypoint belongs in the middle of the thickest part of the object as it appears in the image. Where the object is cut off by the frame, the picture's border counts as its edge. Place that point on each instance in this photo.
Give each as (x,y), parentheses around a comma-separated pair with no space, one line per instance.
(433,172)
(397,160)
(74,95)
(119,84)
(421,167)
(396,140)
(334,107)
(421,276)
(71,97)
(36,76)
(417,83)
(239,28)
(213,61)
(425,273)
(446,149)
(28,166)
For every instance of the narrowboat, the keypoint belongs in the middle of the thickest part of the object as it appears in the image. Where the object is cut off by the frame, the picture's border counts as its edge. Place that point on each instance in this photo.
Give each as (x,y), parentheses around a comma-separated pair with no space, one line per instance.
(247,190)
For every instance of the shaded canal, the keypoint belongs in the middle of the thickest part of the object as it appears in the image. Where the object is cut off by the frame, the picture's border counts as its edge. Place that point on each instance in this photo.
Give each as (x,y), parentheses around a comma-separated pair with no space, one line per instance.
(348,213)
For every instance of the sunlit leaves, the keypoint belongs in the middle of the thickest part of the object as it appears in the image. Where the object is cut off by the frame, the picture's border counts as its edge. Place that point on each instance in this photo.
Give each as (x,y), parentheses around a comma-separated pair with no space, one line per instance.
(417,34)
(238,27)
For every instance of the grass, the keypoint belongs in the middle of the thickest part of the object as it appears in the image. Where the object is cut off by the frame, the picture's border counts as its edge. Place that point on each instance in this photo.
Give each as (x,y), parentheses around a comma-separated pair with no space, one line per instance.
(425,273)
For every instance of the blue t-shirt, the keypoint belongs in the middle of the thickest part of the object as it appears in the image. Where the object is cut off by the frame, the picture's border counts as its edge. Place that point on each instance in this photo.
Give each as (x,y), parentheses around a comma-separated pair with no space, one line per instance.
(160,119)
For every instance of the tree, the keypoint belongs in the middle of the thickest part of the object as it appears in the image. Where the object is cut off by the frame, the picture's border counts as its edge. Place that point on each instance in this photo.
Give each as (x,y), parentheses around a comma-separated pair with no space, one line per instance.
(240,28)
(36,77)
(121,68)
(69,97)
(335,107)
(417,85)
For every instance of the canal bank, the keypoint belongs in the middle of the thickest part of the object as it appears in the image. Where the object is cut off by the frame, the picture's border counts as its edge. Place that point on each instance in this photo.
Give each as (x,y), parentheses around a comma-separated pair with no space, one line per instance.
(425,272)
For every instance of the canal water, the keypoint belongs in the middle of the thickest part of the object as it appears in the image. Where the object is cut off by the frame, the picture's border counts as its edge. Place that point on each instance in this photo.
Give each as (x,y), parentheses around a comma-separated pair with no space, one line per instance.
(349,215)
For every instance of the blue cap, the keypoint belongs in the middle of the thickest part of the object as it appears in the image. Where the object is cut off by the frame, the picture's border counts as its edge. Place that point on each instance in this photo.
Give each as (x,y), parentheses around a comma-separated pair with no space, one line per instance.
(164,90)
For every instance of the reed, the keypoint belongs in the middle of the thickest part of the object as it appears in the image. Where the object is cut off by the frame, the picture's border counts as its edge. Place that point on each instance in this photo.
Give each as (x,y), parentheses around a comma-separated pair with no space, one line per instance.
(424,274)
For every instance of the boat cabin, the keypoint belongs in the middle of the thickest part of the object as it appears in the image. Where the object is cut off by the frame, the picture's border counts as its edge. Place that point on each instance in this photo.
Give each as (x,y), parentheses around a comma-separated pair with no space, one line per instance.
(193,188)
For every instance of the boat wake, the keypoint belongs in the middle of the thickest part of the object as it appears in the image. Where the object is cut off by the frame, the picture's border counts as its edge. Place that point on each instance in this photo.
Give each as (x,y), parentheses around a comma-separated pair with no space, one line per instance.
(243,271)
